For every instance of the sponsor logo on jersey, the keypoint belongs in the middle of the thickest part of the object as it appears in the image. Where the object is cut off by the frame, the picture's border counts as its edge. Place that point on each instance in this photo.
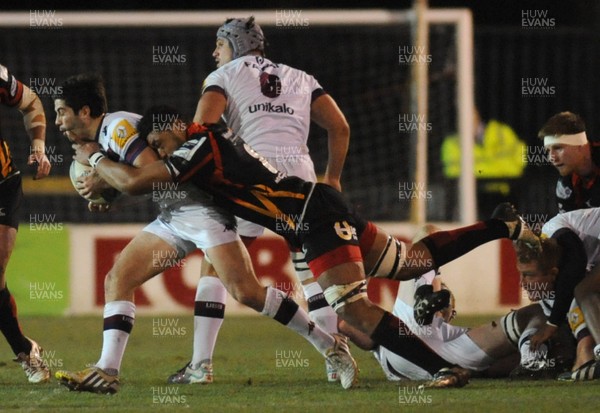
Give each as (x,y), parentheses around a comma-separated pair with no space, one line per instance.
(270,85)
(122,132)
(271,108)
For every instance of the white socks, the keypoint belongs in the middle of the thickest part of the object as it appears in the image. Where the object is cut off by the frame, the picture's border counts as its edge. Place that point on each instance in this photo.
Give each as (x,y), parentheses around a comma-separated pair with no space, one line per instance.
(286,311)
(119,317)
(209,311)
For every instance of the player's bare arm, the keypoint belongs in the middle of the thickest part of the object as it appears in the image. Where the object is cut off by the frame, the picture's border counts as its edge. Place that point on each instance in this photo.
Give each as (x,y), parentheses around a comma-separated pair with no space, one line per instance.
(127,179)
(210,107)
(326,113)
(35,123)
(92,185)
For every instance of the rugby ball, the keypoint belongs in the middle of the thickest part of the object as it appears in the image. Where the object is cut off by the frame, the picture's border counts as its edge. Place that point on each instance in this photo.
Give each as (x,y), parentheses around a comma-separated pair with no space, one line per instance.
(77,170)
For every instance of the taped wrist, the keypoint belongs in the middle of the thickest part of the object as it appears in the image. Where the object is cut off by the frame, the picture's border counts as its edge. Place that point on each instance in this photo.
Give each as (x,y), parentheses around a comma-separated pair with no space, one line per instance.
(95,158)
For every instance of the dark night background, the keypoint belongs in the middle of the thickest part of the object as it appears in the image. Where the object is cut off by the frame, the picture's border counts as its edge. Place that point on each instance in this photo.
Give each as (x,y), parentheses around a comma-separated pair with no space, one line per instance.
(367,84)
(576,13)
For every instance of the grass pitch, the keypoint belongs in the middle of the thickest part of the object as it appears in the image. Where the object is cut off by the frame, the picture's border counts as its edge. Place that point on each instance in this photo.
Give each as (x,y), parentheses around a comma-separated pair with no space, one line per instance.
(259,367)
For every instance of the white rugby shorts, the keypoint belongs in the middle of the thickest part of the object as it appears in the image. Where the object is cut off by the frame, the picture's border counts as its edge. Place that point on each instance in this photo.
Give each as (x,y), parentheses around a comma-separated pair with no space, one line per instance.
(193,226)
(448,341)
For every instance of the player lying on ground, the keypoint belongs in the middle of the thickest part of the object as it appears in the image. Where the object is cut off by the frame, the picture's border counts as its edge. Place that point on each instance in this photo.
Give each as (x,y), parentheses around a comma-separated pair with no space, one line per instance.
(335,240)
(478,348)
(186,223)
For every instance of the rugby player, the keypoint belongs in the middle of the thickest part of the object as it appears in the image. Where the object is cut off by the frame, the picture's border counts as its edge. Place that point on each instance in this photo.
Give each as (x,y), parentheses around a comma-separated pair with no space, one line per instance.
(13,93)
(475,349)
(577,160)
(271,106)
(185,223)
(585,224)
(336,242)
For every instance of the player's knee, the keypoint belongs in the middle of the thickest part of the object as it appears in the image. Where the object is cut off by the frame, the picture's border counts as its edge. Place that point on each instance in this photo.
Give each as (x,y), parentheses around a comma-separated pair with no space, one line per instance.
(117,282)
(109,280)
(248,296)
(338,296)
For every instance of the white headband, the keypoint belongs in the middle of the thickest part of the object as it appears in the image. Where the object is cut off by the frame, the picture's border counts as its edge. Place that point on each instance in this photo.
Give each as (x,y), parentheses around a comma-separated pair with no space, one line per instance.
(576,139)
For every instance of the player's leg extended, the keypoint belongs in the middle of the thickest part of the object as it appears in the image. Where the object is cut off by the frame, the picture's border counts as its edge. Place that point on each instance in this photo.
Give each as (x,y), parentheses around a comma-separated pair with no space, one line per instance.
(233,264)
(334,256)
(135,265)
(386,257)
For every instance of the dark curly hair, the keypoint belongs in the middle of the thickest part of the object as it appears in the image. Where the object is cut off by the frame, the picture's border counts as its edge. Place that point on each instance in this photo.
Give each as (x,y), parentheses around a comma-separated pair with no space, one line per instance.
(85,89)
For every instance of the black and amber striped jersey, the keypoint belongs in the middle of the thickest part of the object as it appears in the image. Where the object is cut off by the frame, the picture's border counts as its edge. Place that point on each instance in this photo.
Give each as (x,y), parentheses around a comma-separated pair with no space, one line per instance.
(240,180)
(11,92)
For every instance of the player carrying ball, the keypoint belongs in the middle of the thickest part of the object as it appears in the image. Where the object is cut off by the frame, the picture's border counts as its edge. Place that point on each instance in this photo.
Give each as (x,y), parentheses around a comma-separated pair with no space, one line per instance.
(341,248)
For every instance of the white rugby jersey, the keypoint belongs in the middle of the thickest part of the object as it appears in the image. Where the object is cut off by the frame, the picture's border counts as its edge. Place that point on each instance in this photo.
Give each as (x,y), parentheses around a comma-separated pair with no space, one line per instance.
(118,136)
(268,104)
(450,342)
(583,222)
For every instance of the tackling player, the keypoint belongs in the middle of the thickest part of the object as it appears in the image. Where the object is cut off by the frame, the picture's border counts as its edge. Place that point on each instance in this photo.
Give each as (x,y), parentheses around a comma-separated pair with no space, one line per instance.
(13,93)
(185,223)
(271,106)
(337,243)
